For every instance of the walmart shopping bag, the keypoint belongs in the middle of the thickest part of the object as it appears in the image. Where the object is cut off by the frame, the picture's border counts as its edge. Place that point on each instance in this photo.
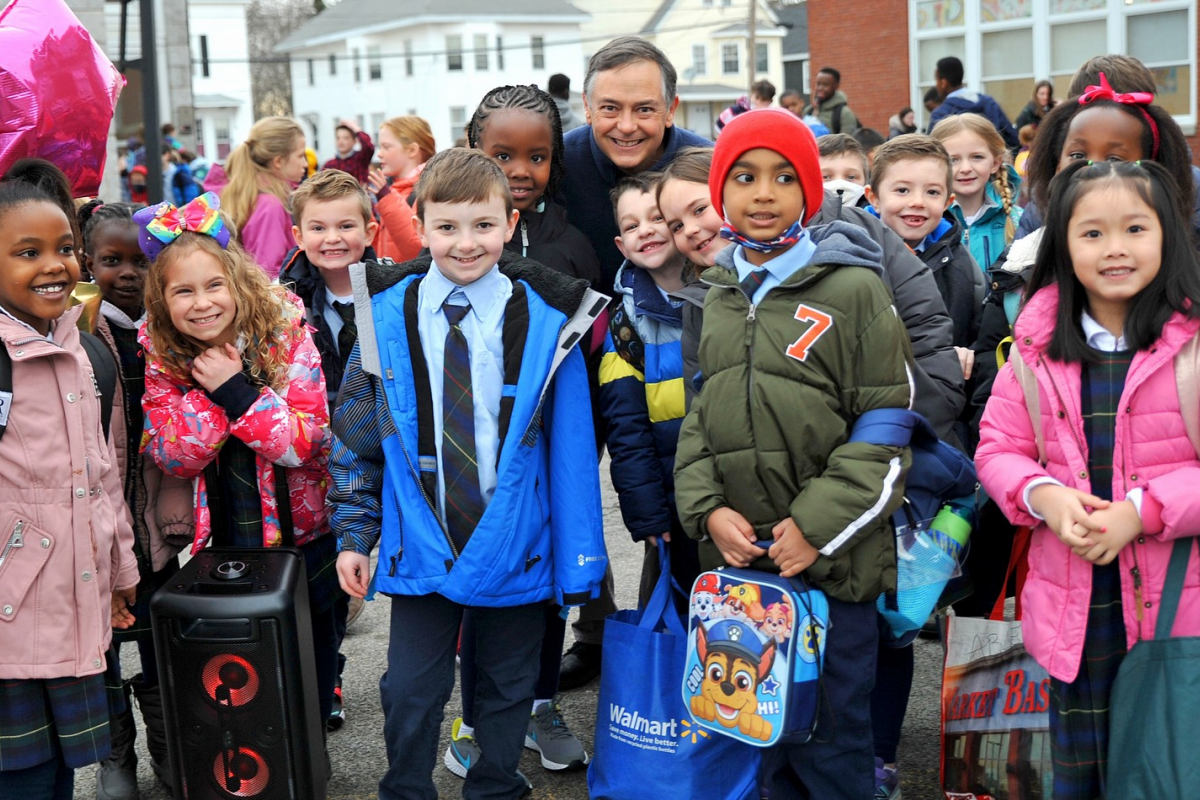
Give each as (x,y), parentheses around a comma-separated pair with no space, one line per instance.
(646,744)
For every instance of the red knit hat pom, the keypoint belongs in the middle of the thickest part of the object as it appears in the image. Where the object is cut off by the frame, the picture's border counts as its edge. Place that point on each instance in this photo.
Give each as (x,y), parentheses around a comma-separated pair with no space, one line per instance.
(773,129)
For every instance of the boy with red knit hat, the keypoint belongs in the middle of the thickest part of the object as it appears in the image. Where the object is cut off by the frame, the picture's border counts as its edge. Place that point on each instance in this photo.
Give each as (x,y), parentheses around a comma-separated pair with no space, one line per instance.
(800,339)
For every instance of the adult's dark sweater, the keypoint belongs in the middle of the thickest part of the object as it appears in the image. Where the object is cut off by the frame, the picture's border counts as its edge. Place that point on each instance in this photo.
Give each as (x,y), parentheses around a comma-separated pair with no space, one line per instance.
(590,176)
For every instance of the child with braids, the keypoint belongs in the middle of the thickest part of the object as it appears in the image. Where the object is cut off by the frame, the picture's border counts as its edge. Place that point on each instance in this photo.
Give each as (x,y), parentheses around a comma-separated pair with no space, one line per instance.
(985,187)
(160,505)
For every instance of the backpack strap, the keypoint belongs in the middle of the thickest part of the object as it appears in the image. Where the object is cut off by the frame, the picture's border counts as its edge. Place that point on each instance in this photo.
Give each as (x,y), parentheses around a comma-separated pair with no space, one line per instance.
(835,118)
(1028,382)
(104,368)
(1187,383)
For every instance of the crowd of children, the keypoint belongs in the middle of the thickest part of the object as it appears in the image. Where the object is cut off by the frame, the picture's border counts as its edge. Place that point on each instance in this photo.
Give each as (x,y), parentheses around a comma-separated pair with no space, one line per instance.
(424,361)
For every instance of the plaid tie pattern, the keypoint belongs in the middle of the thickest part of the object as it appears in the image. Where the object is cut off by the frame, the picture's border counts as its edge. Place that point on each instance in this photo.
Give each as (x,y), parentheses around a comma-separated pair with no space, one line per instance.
(464,501)
(751,282)
(348,335)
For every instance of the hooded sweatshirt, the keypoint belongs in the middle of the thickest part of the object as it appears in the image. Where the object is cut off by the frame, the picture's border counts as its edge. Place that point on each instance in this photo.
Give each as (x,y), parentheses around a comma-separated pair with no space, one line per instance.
(968,101)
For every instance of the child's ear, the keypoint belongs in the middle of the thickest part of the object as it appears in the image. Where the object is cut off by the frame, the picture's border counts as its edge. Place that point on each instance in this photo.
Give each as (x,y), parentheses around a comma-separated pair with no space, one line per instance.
(512,224)
(372,229)
(621,246)
(419,227)
(870,195)
(296,235)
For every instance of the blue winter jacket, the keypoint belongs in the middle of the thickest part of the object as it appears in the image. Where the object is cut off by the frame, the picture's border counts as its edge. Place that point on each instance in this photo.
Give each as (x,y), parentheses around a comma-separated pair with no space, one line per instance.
(969,101)
(642,401)
(541,536)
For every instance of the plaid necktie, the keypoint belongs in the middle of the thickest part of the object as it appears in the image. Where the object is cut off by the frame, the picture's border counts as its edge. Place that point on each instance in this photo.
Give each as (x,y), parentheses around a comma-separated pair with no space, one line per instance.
(348,335)
(751,282)
(464,501)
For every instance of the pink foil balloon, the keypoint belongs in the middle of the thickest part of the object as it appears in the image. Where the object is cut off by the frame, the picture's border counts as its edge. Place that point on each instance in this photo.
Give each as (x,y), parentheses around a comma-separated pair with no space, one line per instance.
(58,92)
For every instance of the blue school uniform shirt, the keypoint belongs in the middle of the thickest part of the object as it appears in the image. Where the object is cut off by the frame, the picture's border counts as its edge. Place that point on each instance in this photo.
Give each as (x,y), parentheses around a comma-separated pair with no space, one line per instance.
(483,326)
(779,269)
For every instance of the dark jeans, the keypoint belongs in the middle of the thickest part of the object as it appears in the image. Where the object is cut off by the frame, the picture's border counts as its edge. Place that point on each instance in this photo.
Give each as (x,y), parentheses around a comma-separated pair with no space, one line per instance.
(839,763)
(889,698)
(420,678)
(341,614)
(325,651)
(52,780)
(549,660)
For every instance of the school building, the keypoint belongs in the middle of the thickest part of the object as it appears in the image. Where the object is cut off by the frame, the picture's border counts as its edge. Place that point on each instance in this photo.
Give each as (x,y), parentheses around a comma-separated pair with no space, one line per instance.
(886,50)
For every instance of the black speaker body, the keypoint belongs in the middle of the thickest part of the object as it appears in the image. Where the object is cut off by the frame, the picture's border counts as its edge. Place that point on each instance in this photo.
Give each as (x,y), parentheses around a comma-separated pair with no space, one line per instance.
(235,658)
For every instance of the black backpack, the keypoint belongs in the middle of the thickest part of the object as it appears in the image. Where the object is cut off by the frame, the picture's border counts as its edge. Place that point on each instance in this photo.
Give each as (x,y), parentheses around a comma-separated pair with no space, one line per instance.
(104,366)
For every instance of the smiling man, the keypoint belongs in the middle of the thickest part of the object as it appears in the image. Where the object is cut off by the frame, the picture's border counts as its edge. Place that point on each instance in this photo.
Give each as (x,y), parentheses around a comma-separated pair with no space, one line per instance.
(630,102)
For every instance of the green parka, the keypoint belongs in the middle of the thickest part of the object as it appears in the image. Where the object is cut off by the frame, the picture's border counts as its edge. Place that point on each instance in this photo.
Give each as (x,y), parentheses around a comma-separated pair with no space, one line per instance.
(784,382)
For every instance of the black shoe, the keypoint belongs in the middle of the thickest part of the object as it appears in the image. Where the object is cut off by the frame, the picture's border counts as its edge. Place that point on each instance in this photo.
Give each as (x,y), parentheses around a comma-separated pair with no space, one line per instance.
(580,666)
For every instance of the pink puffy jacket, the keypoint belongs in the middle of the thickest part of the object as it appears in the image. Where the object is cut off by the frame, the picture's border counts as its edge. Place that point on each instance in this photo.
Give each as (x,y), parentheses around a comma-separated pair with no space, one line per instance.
(1152,452)
(65,537)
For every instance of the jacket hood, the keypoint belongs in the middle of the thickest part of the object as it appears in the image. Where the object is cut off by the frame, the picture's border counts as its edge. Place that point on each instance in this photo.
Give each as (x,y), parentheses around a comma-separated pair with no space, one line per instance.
(839,244)
(305,275)
(636,284)
(1022,253)
(693,293)
(951,237)
(837,97)
(968,100)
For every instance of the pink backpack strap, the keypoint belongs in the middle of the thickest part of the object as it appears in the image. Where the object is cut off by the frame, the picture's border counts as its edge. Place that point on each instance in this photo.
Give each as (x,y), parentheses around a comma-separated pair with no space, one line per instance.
(1187,361)
(1028,383)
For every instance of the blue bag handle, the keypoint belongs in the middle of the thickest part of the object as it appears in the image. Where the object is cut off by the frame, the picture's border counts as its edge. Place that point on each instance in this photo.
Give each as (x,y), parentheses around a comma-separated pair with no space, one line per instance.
(659,608)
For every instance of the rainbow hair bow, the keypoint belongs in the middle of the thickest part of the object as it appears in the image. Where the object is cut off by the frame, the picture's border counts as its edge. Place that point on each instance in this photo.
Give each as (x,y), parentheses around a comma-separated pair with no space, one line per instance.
(1139,99)
(163,223)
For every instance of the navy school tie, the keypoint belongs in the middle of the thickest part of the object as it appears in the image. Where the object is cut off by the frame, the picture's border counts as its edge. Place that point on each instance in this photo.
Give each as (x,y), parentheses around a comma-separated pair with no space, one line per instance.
(751,282)
(463,500)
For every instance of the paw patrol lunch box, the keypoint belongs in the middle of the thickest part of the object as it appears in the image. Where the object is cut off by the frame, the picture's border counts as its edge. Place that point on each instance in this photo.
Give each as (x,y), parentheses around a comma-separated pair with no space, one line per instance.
(756,647)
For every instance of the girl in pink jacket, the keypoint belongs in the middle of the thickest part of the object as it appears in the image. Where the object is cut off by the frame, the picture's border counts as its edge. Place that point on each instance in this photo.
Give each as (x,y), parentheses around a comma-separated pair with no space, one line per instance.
(67,568)
(235,399)
(1114,296)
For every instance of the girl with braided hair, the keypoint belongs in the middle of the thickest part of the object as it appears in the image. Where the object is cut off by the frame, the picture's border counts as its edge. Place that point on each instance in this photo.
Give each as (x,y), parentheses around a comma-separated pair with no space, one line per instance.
(985,187)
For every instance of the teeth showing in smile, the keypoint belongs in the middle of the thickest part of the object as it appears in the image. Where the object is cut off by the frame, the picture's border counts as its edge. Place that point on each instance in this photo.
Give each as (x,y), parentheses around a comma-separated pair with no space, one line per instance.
(205,320)
(50,291)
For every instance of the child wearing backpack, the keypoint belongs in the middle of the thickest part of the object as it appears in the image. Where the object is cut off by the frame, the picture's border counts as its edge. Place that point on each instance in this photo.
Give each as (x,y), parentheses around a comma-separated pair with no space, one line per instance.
(1104,471)
(67,565)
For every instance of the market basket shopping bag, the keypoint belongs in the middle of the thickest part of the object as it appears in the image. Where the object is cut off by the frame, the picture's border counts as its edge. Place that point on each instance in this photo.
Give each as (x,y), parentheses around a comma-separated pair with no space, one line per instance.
(646,745)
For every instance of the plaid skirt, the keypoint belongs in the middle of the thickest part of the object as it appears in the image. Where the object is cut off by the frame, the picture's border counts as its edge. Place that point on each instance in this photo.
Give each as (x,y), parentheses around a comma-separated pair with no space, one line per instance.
(41,718)
(1079,710)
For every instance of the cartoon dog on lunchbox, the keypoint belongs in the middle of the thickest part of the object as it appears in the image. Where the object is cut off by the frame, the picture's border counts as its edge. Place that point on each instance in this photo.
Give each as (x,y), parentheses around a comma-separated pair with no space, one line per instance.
(735,662)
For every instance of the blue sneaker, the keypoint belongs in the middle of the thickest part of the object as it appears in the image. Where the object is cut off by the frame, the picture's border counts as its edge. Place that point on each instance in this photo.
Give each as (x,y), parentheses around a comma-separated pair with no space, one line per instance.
(887,781)
(463,752)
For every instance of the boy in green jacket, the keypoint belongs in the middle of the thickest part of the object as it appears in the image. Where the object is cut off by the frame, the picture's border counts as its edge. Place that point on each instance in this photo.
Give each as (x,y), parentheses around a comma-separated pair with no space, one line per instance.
(800,338)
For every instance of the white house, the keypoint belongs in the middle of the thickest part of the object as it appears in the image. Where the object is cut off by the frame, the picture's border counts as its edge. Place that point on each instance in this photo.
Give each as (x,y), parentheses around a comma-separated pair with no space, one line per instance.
(220,75)
(369,60)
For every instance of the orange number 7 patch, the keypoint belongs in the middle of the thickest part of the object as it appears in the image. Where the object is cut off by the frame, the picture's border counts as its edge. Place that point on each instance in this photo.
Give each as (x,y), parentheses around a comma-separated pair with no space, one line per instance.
(821,322)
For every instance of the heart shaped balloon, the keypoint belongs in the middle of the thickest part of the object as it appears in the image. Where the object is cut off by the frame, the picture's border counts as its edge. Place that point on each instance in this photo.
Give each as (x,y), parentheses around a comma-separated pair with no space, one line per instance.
(59,91)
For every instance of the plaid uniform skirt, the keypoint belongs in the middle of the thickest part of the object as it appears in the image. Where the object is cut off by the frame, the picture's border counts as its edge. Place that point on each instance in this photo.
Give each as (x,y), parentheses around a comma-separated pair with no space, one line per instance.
(41,718)
(1079,710)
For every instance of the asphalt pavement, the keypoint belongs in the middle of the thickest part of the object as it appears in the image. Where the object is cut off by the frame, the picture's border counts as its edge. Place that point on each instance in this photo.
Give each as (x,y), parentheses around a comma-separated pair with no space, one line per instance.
(357,750)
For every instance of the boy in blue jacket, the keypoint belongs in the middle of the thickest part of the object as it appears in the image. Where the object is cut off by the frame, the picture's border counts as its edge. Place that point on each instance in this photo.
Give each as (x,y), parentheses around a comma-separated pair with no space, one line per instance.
(461,430)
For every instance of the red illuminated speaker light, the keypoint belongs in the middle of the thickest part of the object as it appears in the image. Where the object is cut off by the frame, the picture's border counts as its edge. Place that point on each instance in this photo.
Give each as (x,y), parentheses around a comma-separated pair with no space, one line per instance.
(231,673)
(248,774)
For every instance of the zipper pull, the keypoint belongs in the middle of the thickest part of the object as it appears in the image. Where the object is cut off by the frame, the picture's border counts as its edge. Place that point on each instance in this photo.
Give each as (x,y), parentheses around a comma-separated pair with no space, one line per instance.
(1137,591)
(95,384)
(524,240)
(18,536)
(392,571)
(750,316)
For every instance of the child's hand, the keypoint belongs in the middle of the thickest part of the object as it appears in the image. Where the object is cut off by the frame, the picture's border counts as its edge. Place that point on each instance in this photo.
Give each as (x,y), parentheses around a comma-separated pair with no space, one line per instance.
(354,573)
(791,552)
(216,365)
(349,123)
(1065,512)
(966,360)
(1120,525)
(377,180)
(653,540)
(122,617)
(733,536)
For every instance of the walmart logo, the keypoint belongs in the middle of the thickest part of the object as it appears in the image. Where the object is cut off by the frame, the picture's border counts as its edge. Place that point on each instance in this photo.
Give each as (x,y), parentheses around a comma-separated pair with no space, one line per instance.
(693,732)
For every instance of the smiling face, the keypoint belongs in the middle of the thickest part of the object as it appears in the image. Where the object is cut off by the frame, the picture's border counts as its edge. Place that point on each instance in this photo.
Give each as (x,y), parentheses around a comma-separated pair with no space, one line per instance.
(691,220)
(763,198)
(466,239)
(38,268)
(912,197)
(119,265)
(199,300)
(824,87)
(643,236)
(1115,240)
(629,115)
(333,233)
(396,159)
(522,143)
(294,166)
(973,165)
(1102,133)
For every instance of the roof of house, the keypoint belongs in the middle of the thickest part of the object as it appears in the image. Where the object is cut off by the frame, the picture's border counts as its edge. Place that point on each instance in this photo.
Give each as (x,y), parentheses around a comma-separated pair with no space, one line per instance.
(356,17)
(666,6)
(739,29)
(796,16)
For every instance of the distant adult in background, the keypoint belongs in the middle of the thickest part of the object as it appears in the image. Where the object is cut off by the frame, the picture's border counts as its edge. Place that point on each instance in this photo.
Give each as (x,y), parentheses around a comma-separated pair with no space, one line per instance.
(931,100)
(1041,103)
(902,123)
(354,150)
(958,99)
(405,144)
(761,94)
(793,101)
(263,171)
(829,103)
(559,87)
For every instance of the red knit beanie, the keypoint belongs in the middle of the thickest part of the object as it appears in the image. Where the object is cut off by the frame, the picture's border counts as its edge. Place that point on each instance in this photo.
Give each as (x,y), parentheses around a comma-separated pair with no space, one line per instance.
(774,129)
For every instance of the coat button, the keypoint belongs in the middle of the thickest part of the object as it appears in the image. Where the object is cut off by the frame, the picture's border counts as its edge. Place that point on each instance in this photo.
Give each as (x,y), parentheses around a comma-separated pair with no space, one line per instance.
(96,663)
(1128,409)
(1133,477)
(18,352)
(1061,414)
(86,576)
(1083,474)
(8,611)
(1141,540)
(1148,604)
(71,397)
(1028,340)
(44,543)
(80,492)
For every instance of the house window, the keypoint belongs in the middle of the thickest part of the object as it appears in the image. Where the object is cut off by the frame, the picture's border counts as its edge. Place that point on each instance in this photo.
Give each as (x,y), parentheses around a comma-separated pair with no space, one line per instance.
(538,46)
(726,3)
(1161,42)
(204,56)
(707,3)
(499,53)
(761,63)
(408,57)
(374,63)
(312,72)
(729,59)
(199,122)
(357,67)
(332,65)
(481,52)
(699,59)
(377,119)
(458,122)
(221,129)
(454,55)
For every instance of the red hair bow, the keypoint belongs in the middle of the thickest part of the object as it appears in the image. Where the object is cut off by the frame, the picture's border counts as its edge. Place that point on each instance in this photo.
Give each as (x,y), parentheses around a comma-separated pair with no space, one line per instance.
(1105,92)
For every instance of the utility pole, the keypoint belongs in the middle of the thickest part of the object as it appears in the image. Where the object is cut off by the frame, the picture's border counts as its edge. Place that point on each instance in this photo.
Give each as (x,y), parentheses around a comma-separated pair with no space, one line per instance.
(152,136)
(752,60)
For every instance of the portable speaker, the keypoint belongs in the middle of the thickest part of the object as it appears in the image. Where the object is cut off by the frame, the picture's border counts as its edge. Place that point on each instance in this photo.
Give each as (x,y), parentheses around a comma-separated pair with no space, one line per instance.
(235,660)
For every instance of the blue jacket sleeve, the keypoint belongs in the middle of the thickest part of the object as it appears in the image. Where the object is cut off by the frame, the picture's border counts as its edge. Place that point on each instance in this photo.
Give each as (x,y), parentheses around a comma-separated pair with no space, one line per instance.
(356,461)
(576,520)
(636,468)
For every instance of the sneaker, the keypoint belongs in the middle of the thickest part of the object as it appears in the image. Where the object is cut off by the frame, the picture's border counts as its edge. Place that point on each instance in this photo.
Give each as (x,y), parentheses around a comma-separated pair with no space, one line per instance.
(337,714)
(463,752)
(549,735)
(580,666)
(356,607)
(887,781)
